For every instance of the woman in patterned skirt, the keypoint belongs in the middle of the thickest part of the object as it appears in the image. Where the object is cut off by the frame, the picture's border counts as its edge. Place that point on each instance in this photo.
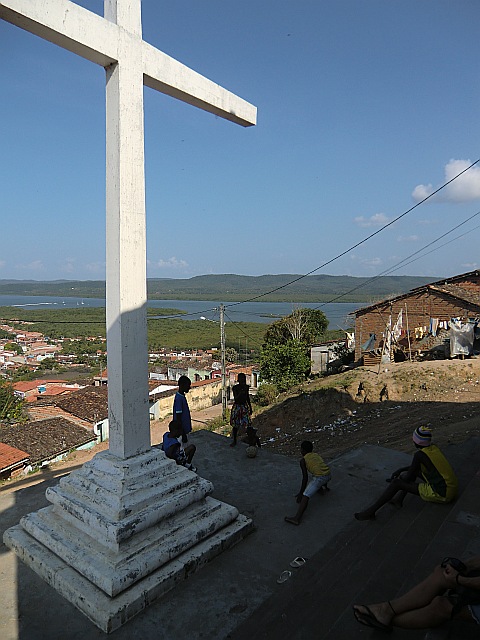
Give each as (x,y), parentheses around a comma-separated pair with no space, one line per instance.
(242,408)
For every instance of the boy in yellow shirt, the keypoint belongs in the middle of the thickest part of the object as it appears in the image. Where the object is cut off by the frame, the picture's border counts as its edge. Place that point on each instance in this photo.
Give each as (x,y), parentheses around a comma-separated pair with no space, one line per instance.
(313,464)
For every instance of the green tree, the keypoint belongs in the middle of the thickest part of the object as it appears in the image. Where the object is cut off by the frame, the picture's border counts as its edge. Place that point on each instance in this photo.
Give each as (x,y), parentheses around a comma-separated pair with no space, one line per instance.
(285,364)
(11,407)
(48,364)
(13,346)
(285,357)
(304,325)
(231,354)
(266,394)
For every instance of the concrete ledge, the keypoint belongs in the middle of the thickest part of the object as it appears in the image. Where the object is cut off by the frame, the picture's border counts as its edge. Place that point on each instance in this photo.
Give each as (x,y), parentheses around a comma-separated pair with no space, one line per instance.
(111,613)
(114,572)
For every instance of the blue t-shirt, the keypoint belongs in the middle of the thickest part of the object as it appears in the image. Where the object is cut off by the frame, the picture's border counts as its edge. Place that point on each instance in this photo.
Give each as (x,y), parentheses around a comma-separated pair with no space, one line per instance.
(182,411)
(177,453)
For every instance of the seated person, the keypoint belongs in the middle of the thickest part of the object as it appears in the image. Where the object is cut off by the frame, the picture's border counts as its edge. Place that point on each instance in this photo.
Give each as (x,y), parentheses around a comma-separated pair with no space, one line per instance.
(451,591)
(174,449)
(439,482)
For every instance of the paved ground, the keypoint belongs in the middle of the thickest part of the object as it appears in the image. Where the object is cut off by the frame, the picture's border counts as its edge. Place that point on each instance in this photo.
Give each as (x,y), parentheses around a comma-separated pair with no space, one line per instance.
(218,601)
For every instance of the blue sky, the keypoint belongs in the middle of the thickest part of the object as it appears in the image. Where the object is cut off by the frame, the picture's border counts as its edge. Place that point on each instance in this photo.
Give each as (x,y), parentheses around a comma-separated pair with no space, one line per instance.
(364,107)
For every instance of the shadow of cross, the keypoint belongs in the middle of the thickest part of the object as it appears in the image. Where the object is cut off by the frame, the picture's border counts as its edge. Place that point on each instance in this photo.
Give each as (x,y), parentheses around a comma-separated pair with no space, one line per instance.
(115,42)
(130,523)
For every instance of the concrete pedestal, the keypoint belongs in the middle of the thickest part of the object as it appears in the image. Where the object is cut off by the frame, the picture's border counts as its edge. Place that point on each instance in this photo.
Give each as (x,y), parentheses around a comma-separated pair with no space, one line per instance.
(121,533)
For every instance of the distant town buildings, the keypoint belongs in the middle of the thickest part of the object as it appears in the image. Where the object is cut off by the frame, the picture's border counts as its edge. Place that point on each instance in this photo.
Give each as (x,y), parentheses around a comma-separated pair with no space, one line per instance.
(64,415)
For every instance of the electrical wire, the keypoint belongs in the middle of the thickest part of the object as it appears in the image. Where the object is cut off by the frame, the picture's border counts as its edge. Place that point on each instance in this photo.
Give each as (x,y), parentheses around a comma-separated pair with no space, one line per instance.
(242,331)
(340,255)
(372,235)
(404,262)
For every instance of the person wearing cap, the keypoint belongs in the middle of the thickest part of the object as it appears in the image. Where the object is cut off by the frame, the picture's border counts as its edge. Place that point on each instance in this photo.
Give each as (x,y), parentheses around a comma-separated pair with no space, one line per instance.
(438,482)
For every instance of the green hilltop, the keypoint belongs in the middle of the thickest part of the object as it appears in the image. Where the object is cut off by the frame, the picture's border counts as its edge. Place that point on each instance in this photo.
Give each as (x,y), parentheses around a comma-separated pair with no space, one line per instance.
(234,288)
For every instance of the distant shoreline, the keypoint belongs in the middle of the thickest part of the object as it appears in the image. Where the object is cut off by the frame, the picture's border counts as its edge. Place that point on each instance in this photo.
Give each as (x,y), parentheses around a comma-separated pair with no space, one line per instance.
(284,288)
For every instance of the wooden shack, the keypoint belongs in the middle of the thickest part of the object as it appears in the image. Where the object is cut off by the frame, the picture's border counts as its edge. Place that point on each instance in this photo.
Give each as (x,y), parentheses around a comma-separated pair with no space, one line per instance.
(418,319)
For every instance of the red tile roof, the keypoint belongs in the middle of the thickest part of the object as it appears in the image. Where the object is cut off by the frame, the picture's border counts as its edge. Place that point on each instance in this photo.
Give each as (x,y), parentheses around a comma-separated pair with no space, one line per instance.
(11,456)
(28,385)
(46,439)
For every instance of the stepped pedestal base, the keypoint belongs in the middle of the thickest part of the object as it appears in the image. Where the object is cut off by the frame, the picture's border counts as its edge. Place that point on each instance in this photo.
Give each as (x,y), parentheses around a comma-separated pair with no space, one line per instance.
(121,533)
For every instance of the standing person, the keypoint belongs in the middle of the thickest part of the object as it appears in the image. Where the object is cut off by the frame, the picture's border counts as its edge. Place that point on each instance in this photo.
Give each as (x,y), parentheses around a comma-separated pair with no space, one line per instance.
(181,410)
(242,407)
(310,463)
(439,484)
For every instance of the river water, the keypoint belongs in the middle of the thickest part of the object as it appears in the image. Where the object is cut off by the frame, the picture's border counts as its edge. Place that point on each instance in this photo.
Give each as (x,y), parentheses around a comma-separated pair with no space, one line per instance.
(265,312)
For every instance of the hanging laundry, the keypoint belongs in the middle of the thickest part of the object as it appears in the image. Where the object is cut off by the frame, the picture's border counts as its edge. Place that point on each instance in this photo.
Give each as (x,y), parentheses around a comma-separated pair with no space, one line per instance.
(398,326)
(370,343)
(461,339)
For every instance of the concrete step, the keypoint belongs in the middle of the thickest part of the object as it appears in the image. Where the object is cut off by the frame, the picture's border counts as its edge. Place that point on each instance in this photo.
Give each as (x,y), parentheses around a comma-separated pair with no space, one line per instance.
(372,561)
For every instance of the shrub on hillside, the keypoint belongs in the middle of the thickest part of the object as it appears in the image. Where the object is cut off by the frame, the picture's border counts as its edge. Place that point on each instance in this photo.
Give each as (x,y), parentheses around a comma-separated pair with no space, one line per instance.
(266,394)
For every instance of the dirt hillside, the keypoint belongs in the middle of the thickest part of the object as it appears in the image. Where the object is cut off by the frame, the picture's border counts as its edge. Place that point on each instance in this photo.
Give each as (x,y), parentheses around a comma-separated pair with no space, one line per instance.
(444,394)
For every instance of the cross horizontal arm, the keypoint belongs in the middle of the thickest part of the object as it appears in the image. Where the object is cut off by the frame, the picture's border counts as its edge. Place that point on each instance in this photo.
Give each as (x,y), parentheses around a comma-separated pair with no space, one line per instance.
(67,25)
(94,38)
(167,75)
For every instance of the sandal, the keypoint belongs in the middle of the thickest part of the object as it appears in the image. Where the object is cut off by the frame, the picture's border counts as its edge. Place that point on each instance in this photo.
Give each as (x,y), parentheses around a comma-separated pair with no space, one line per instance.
(298,562)
(284,576)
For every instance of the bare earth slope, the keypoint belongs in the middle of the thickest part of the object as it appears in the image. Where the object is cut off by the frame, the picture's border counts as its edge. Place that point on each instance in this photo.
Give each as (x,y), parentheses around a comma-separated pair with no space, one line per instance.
(443,394)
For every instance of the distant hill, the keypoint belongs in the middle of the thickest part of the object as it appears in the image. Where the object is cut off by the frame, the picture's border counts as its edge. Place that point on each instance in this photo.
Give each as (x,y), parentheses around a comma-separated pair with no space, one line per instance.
(233,288)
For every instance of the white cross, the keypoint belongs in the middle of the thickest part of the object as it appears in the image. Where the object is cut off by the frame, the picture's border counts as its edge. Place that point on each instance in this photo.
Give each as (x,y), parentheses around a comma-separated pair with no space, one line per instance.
(115,42)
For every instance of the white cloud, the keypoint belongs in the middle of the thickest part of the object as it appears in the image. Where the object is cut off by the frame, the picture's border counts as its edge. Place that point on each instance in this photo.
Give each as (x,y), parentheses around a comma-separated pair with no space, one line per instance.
(464,189)
(96,267)
(412,238)
(372,262)
(377,220)
(470,265)
(172,263)
(2,263)
(68,266)
(36,265)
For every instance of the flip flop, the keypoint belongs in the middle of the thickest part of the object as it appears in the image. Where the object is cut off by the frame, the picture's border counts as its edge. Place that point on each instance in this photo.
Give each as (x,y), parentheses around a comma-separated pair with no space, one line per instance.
(284,576)
(298,562)
(369,619)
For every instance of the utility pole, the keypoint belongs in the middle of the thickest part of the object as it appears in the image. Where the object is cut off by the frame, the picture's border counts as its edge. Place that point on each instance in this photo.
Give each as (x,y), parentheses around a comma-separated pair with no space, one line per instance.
(224,373)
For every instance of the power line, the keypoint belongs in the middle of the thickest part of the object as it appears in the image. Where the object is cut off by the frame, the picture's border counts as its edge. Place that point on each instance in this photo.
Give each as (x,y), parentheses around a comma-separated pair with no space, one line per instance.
(403,262)
(242,331)
(372,235)
(340,255)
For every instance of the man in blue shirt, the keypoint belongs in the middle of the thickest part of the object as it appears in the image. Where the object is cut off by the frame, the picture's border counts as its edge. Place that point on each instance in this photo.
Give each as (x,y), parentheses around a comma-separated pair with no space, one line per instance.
(181,411)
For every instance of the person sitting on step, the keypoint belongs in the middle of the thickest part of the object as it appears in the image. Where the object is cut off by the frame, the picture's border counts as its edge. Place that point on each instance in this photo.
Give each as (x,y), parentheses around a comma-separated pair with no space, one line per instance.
(439,484)
(173,448)
(452,590)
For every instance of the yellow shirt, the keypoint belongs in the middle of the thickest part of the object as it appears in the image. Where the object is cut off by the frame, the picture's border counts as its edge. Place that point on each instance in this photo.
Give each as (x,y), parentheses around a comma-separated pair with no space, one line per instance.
(315,464)
(441,484)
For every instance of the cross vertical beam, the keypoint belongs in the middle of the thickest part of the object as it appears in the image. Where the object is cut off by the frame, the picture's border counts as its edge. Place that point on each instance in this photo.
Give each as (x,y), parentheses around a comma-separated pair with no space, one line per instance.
(127,350)
(115,42)
(106,541)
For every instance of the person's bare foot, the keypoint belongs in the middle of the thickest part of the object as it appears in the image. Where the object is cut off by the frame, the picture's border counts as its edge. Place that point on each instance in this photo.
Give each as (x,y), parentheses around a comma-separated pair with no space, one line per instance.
(374,615)
(292,520)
